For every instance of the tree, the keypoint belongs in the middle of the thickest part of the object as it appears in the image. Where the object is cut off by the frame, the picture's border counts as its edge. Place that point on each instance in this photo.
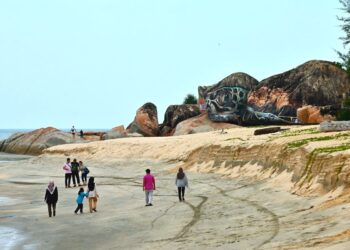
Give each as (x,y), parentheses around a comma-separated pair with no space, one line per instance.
(190,99)
(344,113)
(345,57)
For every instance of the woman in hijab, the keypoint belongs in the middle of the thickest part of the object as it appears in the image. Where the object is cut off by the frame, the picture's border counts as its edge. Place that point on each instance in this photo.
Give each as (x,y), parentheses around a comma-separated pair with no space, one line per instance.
(181,182)
(51,198)
(93,195)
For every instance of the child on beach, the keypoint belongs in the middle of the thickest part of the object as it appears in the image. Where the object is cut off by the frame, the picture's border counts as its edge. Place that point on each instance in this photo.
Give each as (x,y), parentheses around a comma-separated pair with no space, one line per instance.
(181,182)
(149,184)
(80,200)
(51,198)
(93,195)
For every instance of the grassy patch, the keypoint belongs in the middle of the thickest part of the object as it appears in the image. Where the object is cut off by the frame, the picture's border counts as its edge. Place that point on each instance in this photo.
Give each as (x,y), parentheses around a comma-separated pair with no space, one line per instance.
(299,143)
(307,173)
(288,133)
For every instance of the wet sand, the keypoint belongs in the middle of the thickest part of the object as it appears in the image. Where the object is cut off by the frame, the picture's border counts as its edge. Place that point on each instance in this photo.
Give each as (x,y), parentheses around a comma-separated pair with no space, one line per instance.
(219,213)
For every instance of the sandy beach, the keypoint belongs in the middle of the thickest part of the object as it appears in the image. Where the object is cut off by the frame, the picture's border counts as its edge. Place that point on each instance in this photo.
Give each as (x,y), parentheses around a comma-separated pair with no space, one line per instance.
(222,210)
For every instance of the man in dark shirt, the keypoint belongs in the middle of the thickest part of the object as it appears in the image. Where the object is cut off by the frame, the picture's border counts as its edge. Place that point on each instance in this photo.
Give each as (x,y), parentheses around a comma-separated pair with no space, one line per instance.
(75,172)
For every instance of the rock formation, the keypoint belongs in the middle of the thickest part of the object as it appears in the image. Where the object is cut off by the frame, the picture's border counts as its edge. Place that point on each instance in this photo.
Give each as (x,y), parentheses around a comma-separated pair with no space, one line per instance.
(146,121)
(200,124)
(312,114)
(34,142)
(315,83)
(176,114)
(227,102)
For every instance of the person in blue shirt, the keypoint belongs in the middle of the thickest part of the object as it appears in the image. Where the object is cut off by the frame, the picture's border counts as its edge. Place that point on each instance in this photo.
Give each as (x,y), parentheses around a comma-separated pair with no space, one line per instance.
(80,200)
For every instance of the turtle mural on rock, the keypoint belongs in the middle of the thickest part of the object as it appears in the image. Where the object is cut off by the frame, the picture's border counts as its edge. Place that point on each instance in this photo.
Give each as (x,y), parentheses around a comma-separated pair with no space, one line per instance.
(227,101)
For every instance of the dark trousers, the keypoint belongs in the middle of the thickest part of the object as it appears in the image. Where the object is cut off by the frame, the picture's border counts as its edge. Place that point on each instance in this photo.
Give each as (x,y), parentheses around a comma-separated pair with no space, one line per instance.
(52,208)
(79,207)
(181,192)
(67,178)
(83,177)
(75,174)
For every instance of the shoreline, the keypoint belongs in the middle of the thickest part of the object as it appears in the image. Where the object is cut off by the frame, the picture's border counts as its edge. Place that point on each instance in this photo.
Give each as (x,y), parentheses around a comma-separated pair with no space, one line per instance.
(219,212)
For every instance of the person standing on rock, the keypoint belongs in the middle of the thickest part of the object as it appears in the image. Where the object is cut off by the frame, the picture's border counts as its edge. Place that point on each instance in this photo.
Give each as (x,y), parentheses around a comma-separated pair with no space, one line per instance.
(92,194)
(149,184)
(51,198)
(67,167)
(181,182)
(73,131)
(81,134)
(75,172)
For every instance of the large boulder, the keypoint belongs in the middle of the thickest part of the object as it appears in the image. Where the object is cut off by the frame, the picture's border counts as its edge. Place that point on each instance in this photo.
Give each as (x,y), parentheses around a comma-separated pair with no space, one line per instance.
(145,121)
(240,79)
(200,124)
(315,83)
(312,114)
(227,101)
(176,114)
(34,142)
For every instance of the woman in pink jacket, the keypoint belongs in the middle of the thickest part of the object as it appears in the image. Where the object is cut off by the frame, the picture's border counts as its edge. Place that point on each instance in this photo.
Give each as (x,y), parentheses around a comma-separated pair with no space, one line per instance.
(67,167)
(149,184)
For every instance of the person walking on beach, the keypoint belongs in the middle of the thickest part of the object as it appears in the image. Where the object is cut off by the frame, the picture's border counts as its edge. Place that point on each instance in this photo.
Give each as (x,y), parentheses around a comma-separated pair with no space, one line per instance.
(149,184)
(73,131)
(81,134)
(51,198)
(92,194)
(75,172)
(80,200)
(181,182)
(67,167)
(84,172)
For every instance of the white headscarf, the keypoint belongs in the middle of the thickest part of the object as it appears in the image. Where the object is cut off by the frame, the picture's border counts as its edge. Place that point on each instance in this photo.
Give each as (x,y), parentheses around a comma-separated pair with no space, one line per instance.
(51,187)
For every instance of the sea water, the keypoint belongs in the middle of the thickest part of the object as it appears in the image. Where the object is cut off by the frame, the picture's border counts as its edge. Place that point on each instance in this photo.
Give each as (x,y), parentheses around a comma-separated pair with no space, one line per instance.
(6,133)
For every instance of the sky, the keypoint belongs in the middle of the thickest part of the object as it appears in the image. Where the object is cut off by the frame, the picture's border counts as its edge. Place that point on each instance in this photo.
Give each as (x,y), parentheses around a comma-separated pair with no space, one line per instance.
(93,63)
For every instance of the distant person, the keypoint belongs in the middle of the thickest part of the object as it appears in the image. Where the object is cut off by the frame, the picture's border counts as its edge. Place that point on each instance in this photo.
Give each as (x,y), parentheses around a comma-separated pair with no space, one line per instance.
(149,184)
(80,200)
(51,198)
(181,182)
(75,173)
(73,131)
(67,167)
(92,194)
(84,172)
(81,134)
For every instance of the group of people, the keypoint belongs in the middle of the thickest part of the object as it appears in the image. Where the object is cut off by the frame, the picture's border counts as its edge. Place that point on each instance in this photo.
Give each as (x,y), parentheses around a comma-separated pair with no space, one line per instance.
(74,131)
(91,194)
(72,170)
(148,186)
(51,197)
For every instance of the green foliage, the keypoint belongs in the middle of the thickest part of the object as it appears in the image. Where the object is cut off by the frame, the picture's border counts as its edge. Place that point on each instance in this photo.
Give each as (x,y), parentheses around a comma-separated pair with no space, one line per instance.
(190,99)
(345,57)
(344,113)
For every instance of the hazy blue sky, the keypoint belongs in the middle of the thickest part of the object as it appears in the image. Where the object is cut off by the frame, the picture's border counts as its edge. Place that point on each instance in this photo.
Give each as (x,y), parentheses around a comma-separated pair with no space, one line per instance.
(93,63)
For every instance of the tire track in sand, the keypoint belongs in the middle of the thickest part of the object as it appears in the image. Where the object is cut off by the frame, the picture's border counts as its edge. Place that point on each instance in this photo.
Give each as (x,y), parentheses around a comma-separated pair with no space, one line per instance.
(195,218)
(275,227)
